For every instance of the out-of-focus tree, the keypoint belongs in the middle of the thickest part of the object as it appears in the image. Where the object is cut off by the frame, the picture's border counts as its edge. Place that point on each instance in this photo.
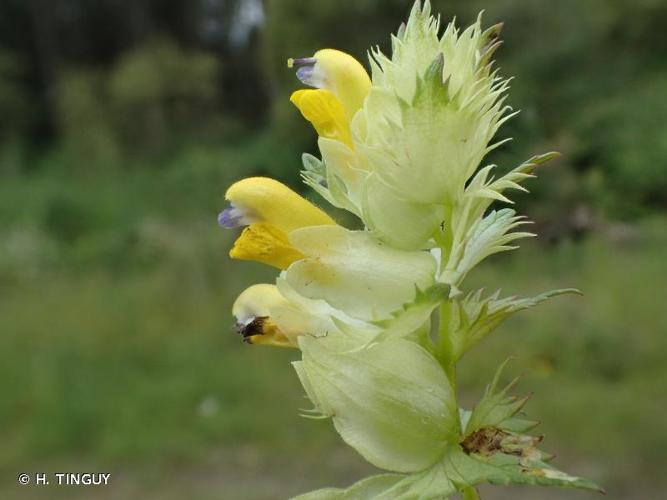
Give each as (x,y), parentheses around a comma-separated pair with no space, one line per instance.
(590,74)
(15,111)
(159,93)
(152,99)
(86,129)
(13,99)
(590,85)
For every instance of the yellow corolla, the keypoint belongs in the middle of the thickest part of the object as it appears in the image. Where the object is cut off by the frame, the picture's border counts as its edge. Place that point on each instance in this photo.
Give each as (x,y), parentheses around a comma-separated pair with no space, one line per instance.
(277,315)
(252,310)
(325,112)
(337,72)
(342,86)
(271,211)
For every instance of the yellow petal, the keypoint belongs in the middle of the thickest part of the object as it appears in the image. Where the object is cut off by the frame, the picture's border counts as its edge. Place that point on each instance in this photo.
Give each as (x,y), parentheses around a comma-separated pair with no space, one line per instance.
(267,200)
(257,300)
(321,108)
(264,242)
(253,311)
(262,331)
(346,78)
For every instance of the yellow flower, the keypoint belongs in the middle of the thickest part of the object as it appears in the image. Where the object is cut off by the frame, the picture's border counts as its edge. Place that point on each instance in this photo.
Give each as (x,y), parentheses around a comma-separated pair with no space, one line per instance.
(252,310)
(337,72)
(342,86)
(271,211)
(321,108)
(276,315)
(265,243)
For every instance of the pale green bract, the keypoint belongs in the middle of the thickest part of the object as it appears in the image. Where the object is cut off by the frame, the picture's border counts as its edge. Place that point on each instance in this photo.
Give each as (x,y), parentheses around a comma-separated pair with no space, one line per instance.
(433,108)
(356,273)
(380,314)
(391,401)
(506,456)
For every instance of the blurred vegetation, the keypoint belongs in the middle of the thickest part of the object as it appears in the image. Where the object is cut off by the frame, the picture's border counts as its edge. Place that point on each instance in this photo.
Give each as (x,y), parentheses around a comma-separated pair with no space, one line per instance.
(124,122)
(110,84)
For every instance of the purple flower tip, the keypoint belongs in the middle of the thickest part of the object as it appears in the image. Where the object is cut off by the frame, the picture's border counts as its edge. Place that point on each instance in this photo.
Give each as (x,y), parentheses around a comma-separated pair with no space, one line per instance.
(230,218)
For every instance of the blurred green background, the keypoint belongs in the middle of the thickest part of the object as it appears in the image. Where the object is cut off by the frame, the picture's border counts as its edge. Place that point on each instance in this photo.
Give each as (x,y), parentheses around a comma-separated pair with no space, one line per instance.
(124,122)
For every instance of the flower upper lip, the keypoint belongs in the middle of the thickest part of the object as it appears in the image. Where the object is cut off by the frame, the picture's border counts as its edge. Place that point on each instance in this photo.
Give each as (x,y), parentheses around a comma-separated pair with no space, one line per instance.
(337,72)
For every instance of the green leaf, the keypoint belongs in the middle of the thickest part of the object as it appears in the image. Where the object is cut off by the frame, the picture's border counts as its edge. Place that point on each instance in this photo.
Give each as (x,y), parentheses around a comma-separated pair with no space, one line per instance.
(487,189)
(486,236)
(467,219)
(470,469)
(495,408)
(496,451)
(474,316)
(458,471)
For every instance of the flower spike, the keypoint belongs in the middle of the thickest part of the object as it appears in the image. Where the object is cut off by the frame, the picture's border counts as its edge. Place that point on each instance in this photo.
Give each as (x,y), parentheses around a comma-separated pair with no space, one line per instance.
(381,315)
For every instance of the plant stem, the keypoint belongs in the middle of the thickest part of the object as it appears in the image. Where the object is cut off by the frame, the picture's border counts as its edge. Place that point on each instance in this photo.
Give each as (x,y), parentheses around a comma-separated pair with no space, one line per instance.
(444,346)
(435,325)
